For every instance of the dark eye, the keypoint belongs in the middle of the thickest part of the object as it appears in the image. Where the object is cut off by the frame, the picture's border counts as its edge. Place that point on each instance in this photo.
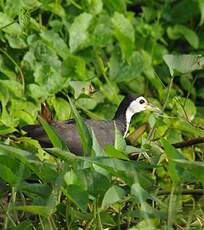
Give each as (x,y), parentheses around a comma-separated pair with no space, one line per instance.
(142,101)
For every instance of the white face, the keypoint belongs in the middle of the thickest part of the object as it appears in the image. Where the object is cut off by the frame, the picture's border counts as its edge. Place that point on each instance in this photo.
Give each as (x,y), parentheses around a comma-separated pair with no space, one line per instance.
(138,105)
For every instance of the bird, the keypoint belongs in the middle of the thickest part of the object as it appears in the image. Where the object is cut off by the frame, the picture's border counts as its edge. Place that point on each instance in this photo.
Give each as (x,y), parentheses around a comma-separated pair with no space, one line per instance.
(104,130)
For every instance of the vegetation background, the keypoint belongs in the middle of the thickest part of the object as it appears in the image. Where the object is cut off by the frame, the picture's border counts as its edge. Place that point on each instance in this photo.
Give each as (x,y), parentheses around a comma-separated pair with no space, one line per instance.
(152,48)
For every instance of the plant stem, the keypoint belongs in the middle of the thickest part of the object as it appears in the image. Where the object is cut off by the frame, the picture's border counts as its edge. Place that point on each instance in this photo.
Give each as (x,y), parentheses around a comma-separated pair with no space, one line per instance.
(152,131)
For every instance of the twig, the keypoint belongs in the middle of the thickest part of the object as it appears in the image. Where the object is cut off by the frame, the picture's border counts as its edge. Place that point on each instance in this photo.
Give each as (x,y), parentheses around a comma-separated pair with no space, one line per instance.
(194,141)
(183,192)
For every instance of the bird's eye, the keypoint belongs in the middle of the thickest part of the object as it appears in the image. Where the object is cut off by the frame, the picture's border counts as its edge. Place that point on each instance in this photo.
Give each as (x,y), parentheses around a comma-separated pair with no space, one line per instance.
(142,101)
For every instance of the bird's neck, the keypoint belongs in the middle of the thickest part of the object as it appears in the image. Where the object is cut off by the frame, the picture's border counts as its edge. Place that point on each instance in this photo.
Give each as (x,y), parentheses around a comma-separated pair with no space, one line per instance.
(122,119)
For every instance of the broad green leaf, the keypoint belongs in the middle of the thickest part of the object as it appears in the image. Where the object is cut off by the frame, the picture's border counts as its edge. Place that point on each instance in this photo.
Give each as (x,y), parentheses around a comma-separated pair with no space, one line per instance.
(94,6)
(14,87)
(16,41)
(34,209)
(120,143)
(124,33)
(54,137)
(139,193)
(22,155)
(12,8)
(187,84)
(74,67)
(83,130)
(46,172)
(103,32)
(72,178)
(50,78)
(5,70)
(201,6)
(185,126)
(77,196)
(25,225)
(8,25)
(114,194)
(172,154)
(182,64)
(7,175)
(63,155)
(195,167)
(114,153)
(180,30)
(138,62)
(180,12)
(115,6)
(55,42)
(62,108)
(6,130)
(37,92)
(80,87)
(55,8)
(96,147)
(185,107)
(42,190)
(88,103)
(79,36)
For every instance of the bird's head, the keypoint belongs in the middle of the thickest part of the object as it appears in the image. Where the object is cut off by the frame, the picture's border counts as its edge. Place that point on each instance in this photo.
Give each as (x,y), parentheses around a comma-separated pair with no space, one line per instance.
(140,104)
(131,105)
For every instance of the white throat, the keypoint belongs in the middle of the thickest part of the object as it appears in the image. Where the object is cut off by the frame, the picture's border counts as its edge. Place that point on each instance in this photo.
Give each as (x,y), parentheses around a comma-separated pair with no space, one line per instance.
(131,110)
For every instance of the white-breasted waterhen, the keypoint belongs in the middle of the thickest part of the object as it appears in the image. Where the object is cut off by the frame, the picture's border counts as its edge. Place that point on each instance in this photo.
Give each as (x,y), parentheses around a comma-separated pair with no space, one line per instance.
(103,130)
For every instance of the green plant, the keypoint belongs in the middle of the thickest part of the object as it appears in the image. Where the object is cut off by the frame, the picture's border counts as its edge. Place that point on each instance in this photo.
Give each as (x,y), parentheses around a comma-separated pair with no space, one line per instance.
(153,48)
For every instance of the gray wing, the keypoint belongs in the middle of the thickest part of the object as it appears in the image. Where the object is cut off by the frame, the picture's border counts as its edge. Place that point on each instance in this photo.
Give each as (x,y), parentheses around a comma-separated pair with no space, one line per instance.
(103,130)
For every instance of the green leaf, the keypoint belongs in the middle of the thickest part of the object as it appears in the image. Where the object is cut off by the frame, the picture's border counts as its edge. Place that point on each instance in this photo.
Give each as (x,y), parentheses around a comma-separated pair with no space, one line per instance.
(120,143)
(55,8)
(7,175)
(115,6)
(72,178)
(114,194)
(185,63)
(138,62)
(53,135)
(114,153)
(55,42)
(25,225)
(185,107)
(13,86)
(42,190)
(22,155)
(96,147)
(37,210)
(8,25)
(195,167)
(62,108)
(94,6)
(124,32)
(201,6)
(87,103)
(63,155)
(172,154)
(83,130)
(79,36)
(80,87)
(103,32)
(77,196)
(50,78)
(75,68)
(139,193)
(180,30)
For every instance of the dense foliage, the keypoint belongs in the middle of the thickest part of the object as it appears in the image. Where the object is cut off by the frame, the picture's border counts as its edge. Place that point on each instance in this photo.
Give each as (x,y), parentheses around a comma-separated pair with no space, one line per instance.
(98,51)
